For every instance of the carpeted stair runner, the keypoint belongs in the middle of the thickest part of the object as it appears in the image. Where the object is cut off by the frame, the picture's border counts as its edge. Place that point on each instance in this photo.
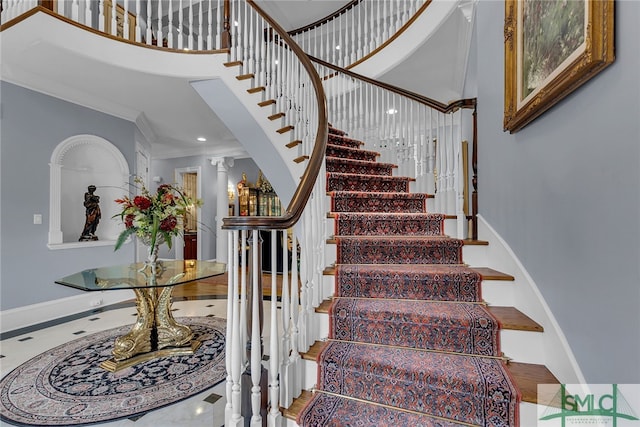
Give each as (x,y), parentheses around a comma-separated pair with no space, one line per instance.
(405,281)
(386,224)
(443,326)
(410,342)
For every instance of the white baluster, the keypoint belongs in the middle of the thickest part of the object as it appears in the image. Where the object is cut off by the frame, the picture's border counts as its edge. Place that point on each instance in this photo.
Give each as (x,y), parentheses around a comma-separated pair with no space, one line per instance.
(87,12)
(275,417)
(200,18)
(210,26)
(243,293)
(138,29)
(232,286)
(219,25)
(75,12)
(256,342)
(100,14)
(180,26)
(170,42)
(190,29)
(286,397)
(236,419)
(159,33)
(149,31)
(296,361)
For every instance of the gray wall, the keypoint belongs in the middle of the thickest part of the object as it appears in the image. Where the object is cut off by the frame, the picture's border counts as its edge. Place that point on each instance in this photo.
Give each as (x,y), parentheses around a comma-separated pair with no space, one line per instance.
(564,193)
(166,169)
(32,125)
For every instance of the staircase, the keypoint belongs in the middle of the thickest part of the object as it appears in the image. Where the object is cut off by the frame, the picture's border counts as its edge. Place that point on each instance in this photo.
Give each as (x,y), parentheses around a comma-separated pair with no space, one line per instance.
(405,308)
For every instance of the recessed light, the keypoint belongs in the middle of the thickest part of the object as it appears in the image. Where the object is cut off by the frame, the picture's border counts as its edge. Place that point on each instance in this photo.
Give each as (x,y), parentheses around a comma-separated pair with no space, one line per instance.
(202,139)
(392,111)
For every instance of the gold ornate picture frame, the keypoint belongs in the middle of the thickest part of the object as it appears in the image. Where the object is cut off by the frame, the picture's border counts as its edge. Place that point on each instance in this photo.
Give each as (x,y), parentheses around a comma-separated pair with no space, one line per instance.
(551,48)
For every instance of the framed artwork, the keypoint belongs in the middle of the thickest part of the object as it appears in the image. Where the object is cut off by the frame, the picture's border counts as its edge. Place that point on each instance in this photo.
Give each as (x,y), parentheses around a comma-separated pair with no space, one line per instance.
(550,49)
(119,21)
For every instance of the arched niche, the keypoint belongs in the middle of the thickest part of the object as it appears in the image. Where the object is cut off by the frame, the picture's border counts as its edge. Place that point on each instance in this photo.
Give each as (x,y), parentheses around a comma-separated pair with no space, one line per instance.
(76,163)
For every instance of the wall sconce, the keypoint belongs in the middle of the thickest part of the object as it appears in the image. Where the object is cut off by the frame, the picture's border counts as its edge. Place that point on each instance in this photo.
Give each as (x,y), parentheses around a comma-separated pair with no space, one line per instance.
(231,192)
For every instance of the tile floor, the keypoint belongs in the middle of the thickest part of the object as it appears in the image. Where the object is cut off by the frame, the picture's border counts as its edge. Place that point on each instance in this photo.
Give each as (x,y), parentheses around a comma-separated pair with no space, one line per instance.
(205,409)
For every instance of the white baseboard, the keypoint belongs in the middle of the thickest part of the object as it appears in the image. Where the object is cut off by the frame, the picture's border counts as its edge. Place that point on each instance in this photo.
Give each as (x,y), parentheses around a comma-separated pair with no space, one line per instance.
(558,357)
(21,317)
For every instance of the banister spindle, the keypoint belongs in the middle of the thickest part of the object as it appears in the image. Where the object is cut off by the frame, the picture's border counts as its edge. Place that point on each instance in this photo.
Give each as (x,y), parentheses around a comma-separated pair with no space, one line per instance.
(275,417)
(236,419)
(87,16)
(138,28)
(180,26)
(200,19)
(159,33)
(256,329)
(149,31)
(170,42)
(190,34)
(232,287)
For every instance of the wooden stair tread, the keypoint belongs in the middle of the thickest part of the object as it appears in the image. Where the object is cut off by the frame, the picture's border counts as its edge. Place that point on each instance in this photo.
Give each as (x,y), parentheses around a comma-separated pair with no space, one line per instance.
(276,116)
(285,129)
(256,89)
(233,64)
(513,319)
(527,376)
(314,351)
(486,272)
(297,405)
(469,242)
(324,306)
(245,76)
(266,103)
(294,143)
(301,159)
(491,274)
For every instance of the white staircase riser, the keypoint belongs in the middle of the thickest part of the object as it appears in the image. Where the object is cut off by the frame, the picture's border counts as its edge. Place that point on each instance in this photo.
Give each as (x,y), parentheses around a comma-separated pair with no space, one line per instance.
(523,346)
(474,255)
(498,292)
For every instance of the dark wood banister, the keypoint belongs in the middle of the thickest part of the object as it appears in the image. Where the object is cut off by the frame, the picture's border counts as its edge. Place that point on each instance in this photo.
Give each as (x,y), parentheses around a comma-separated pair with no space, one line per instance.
(326,19)
(308,180)
(436,105)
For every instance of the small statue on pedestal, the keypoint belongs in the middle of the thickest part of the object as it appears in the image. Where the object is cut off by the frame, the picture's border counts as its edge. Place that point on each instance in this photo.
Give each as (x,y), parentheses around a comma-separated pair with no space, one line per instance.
(92,213)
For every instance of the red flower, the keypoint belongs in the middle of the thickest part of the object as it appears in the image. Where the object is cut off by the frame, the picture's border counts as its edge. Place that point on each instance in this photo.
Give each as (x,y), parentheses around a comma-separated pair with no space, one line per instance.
(167,199)
(142,202)
(169,223)
(128,221)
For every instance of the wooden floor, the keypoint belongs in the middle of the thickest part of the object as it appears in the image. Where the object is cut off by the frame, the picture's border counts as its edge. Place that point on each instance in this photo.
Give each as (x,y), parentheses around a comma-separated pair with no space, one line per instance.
(216,287)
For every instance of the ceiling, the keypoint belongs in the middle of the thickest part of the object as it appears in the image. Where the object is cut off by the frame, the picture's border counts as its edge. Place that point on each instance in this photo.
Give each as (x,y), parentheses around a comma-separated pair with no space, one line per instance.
(152,89)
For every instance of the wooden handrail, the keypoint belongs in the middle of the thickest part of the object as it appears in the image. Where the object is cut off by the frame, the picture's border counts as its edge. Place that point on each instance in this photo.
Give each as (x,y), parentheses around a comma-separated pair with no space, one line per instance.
(326,19)
(308,180)
(436,105)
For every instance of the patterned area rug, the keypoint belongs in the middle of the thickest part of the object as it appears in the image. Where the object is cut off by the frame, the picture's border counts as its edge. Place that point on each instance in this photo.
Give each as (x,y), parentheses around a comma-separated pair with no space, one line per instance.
(66,387)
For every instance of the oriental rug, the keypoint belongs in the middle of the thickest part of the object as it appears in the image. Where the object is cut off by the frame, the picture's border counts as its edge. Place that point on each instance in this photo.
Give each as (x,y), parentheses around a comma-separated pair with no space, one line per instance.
(410,340)
(65,386)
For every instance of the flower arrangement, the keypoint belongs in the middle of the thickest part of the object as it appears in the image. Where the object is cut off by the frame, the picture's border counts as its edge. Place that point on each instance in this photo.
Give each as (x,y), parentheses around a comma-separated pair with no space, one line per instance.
(153,217)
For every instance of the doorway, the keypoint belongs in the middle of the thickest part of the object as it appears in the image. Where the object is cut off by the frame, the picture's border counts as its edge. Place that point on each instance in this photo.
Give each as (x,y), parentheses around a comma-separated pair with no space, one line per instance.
(190,241)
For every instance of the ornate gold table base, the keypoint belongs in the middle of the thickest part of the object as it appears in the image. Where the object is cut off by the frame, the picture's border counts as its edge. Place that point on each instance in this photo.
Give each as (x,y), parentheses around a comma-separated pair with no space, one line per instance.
(155,333)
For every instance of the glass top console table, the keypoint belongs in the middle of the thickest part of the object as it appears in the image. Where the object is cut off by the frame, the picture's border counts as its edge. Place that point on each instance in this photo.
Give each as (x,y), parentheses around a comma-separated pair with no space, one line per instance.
(156,333)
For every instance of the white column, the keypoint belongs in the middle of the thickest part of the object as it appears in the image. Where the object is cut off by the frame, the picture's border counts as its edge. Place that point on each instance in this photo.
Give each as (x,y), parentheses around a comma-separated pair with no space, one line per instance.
(222,206)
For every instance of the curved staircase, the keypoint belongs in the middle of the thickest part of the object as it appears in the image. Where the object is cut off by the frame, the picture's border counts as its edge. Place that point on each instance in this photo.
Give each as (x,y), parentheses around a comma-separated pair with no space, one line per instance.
(410,339)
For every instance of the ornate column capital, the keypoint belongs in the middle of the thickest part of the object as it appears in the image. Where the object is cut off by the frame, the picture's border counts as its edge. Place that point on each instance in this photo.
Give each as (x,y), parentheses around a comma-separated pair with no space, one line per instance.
(222,163)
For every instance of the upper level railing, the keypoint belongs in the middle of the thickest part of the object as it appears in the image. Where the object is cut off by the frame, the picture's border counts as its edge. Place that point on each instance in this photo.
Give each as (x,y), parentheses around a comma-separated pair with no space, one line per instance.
(173,24)
(358,30)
